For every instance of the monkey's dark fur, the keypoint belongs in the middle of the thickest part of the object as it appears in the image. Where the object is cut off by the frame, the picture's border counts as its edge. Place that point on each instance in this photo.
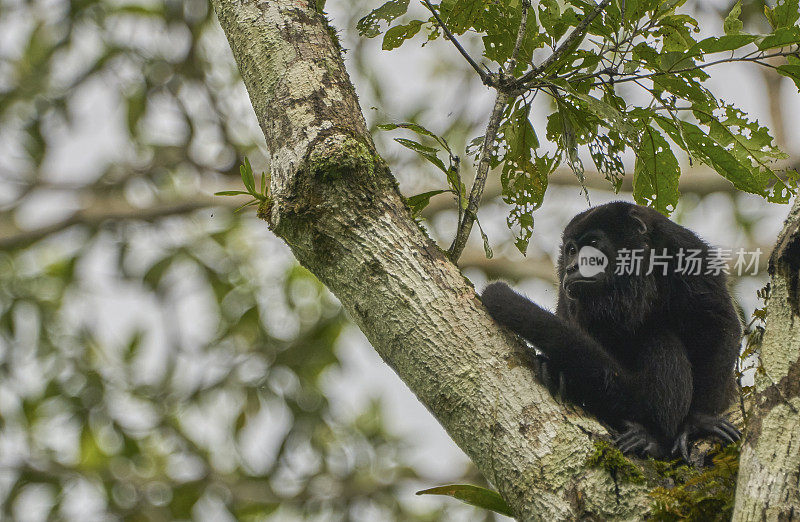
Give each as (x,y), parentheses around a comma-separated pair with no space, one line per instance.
(650,355)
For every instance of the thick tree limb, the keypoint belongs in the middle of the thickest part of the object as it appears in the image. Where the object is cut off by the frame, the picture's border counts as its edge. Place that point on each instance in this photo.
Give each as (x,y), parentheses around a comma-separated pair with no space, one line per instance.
(337,206)
(769,467)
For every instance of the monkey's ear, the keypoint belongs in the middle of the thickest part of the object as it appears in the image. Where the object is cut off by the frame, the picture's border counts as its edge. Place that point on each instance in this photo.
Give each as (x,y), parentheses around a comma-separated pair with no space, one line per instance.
(636,215)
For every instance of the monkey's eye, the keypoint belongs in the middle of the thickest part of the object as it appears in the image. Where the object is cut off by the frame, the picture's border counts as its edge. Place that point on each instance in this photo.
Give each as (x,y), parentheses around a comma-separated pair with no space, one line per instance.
(571,250)
(593,242)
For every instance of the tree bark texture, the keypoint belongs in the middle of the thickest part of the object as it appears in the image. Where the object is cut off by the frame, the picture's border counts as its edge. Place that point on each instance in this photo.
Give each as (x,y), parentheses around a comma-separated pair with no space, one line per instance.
(335,203)
(768,486)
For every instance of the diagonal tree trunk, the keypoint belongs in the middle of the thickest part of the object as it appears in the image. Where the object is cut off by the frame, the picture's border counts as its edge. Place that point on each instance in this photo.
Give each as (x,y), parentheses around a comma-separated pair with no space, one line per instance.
(335,203)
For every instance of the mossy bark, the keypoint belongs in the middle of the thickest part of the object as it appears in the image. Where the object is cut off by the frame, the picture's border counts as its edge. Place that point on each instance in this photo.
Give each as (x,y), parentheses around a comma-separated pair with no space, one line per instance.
(335,203)
(769,469)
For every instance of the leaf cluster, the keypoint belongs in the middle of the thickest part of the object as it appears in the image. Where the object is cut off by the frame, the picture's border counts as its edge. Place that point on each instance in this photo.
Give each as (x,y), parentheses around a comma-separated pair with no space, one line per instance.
(259,196)
(595,76)
(452,172)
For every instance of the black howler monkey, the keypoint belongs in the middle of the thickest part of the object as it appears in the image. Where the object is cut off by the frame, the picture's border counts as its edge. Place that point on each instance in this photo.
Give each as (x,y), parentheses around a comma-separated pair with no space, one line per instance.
(650,352)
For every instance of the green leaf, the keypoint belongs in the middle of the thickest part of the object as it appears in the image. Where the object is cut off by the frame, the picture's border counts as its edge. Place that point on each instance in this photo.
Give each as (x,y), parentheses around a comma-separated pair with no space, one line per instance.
(524,183)
(609,115)
(784,14)
(553,21)
(419,129)
(518,133)
(606,151)
(714,44)
(398,34)
(247,176)
(249,203)
(418,203)
(686,88)
(656,174)
(675,32)
(487,248)
(791,71)
(474,496)
(782,37)
(231,193)
(460,15)
(738,162)
(416,146)
(748,142)
(429,153)
(732,24)
(457,186)
(369,26)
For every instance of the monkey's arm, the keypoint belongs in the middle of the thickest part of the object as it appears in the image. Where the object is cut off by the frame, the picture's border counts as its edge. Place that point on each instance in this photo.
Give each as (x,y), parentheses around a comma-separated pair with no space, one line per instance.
(564,345)
(656,393)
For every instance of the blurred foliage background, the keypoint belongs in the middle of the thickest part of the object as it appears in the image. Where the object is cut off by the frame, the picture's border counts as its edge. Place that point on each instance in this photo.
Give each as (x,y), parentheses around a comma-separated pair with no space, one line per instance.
(163,358)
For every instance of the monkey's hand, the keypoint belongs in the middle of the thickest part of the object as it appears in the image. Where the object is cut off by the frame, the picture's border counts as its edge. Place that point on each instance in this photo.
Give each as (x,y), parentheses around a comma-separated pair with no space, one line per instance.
(551,377)
(635,440)
(700,425)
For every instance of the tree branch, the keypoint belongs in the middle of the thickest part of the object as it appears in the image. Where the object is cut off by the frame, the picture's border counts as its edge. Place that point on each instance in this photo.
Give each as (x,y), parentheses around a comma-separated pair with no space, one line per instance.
(94,219)
(755,59)
(450,36)
(566,46)
(489,138)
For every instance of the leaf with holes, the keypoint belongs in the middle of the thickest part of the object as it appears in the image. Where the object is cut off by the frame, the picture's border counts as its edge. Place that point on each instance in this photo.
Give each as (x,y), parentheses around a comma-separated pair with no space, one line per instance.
(732,24)
(524,182)
(656,174)
(398,34)
(369,26)
(784,14)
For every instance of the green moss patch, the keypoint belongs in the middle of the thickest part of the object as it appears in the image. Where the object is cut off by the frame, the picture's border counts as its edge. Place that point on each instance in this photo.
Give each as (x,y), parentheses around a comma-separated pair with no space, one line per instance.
(608,457)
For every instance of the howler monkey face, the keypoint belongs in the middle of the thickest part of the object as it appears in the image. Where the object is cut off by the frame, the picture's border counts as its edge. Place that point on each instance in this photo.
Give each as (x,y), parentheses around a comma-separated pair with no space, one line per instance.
(587,263)
(590,247)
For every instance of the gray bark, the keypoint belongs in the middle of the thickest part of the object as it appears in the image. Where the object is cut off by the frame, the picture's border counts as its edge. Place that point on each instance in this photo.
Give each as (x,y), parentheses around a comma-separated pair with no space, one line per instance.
(769,467)
(335,203)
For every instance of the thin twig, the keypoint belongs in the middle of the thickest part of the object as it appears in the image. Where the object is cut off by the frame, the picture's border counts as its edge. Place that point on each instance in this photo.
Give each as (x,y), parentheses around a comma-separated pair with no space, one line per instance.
(465,227)
(523,28)
(484,76)
(572,40)
(489,137)
(697,67)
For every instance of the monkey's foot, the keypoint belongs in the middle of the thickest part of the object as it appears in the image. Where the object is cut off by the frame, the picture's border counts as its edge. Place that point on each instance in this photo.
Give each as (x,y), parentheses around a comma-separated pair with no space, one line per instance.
(700,425)
(636,441)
